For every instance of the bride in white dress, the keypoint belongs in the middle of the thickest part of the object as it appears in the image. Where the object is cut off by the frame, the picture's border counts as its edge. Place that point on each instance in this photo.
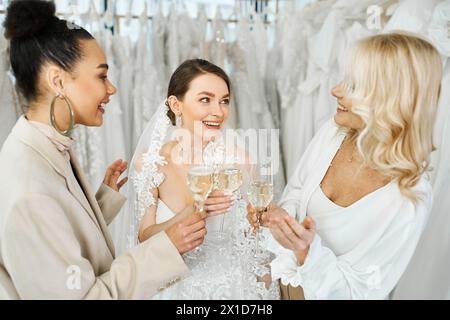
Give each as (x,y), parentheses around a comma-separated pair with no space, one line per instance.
(197,104)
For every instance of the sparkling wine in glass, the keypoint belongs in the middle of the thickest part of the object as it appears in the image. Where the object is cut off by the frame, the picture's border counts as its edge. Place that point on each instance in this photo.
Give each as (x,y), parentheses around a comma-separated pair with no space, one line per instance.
(200,182)
(228,180)
(260,193)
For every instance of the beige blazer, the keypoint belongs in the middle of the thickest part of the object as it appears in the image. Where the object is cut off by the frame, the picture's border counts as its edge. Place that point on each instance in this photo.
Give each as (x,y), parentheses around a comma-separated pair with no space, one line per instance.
(54,239)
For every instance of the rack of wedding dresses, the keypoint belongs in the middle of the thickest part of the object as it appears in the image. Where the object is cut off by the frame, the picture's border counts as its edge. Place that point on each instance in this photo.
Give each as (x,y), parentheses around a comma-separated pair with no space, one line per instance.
(282,73)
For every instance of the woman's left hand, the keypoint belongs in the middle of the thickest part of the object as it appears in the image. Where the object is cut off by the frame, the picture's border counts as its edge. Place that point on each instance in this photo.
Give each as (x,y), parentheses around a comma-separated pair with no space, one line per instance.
(292,234)
(113,174)
(218,202)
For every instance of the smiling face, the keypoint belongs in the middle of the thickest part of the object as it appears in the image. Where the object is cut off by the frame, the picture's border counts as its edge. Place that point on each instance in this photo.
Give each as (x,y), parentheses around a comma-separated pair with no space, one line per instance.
(89,89)
(344,116)
(205,104)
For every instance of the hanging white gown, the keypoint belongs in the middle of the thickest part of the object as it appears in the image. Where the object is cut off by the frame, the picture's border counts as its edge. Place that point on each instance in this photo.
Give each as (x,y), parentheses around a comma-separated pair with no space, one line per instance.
(158,33)
(428,275)
(89,146)
(296,103)
(201,27)
(251,107)
(270,84)
(188,38)
(412,16)
(96,148)
(113,130)
(299,87)
(9,110)
(248,88)
(217,45)
(172,47)
(148,90)
(124,55)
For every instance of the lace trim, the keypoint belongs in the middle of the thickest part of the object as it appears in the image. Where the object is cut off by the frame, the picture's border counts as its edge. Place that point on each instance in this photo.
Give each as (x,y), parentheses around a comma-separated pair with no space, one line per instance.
(214,153)
(150,177)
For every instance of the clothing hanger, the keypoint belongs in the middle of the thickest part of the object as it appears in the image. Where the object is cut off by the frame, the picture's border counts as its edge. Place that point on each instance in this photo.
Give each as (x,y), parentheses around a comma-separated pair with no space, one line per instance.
(143,18)
(182,7)
(74,17)
(173,9)
(201,10)
(108,15)
(234,16)
(92,16)
(268,11)
(159,5)
(129,15)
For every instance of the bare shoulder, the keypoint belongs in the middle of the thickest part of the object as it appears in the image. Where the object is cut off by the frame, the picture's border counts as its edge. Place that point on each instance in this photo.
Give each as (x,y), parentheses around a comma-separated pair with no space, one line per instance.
(165,151)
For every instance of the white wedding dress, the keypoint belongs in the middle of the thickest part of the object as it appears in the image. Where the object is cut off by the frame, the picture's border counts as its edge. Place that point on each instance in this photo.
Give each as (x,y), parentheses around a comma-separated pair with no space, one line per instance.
(225,270)
(220,270)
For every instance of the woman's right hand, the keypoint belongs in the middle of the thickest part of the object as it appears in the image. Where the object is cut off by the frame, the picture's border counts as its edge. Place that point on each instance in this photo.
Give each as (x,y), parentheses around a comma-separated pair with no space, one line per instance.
(187,234)
(252,217)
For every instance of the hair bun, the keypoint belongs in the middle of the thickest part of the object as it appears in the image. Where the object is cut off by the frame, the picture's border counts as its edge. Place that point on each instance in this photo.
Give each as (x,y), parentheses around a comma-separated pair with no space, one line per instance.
(26,18)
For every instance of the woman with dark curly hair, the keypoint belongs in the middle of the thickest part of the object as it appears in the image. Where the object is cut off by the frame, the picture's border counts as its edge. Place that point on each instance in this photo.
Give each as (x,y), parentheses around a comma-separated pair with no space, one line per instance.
(53,229)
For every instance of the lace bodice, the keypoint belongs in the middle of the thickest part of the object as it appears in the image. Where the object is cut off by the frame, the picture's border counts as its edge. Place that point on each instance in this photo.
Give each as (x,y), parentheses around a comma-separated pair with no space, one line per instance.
(221,271)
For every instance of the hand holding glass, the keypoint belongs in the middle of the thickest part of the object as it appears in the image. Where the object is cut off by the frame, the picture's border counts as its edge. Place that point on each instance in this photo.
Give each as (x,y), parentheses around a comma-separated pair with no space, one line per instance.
(228,180)
(260,193)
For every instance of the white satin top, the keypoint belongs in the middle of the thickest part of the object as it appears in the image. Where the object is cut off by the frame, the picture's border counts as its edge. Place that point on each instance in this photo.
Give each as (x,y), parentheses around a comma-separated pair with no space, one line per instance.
(359,251)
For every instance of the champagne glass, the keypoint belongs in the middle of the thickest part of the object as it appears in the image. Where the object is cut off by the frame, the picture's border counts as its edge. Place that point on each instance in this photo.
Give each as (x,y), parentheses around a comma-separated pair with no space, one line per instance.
(260,193)
(200,182)
(228,180)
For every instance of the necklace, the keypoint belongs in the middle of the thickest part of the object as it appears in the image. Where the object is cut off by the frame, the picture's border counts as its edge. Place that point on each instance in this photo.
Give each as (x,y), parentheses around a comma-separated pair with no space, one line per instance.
(339,149)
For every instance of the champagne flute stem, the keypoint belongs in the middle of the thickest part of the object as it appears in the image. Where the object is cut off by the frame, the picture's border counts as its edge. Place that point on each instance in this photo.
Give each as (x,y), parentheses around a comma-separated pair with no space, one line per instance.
(201,207)
(257,243)
(257,232)
(222,222)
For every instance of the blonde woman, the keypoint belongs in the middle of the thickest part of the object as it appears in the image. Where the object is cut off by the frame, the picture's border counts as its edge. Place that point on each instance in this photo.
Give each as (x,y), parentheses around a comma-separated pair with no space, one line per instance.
(352,214)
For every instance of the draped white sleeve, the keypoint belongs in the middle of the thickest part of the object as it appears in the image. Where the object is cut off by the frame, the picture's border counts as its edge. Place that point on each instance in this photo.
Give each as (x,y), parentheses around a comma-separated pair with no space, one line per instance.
(372,276)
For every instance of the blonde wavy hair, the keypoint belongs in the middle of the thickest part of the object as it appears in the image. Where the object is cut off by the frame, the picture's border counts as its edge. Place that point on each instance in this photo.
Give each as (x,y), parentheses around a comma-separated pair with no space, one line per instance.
(394,86)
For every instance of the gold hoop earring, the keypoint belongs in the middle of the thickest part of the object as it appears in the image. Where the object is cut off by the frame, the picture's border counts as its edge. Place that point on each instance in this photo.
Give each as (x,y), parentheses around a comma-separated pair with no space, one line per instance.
(53,118)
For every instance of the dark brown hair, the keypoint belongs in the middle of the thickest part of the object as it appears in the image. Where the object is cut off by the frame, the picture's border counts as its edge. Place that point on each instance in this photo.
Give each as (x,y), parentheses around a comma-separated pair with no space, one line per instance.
(38,37)
(182,77)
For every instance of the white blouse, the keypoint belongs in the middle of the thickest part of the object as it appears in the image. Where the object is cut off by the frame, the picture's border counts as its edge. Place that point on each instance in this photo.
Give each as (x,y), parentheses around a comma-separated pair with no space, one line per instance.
(360,251)
(320,203)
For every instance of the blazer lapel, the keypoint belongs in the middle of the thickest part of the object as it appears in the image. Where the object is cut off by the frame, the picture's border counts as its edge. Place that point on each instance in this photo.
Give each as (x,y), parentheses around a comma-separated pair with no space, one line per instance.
(93,204)
(78,190)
